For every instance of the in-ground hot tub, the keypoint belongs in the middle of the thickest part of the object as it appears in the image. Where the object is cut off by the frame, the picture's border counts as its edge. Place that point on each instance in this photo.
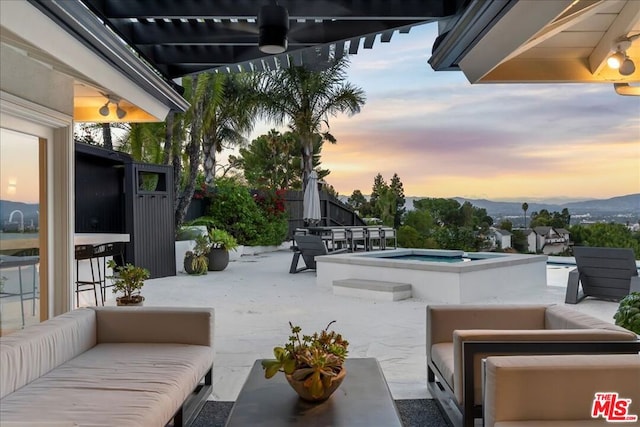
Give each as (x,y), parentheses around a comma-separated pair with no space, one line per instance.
(440,275)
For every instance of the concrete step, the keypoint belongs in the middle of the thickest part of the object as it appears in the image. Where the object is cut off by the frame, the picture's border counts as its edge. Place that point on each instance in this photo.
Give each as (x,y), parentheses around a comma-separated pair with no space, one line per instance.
(374,289)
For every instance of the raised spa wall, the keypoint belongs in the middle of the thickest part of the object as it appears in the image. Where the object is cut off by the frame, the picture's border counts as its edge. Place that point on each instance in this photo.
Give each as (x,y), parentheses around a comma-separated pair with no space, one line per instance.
(455,283)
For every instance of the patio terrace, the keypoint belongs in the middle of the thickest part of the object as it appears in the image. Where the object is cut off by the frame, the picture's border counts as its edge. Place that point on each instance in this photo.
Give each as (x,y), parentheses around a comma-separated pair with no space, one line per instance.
(256,297)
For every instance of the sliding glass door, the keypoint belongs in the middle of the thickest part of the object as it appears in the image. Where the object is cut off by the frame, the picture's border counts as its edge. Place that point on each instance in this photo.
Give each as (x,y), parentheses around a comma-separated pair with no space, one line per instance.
(23,216)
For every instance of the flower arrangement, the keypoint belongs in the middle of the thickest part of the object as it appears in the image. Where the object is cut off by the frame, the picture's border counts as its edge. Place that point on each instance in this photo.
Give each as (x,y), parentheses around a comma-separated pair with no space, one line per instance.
(314,360)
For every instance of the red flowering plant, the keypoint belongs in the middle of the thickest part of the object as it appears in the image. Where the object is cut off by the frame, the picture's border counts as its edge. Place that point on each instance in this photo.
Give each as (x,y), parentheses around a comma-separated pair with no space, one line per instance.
(271,202)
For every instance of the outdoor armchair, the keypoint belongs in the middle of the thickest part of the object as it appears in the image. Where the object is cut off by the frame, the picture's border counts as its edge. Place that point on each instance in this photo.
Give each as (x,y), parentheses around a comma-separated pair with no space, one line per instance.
(458,337)
(309,247)
(605,273)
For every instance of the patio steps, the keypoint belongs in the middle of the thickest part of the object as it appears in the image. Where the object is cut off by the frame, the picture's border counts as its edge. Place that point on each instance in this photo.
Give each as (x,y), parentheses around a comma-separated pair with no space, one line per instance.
(373,289)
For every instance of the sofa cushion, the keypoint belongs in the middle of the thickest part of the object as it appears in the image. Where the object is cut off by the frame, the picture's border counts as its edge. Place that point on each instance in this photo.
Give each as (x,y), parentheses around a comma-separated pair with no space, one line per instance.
(442,356)
(182,325)
(557,387)
(28,354)
(459,337)
(562,317)
(141,383)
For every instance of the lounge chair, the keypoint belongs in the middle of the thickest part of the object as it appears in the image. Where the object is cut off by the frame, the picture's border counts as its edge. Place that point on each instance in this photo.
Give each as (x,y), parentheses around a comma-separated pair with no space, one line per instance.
(459,336)
(605,273)
(309,247)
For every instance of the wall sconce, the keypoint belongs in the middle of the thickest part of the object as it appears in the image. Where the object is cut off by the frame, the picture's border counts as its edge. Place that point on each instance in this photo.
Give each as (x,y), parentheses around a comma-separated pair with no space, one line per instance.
(619,60)
(104,110)
(273,24)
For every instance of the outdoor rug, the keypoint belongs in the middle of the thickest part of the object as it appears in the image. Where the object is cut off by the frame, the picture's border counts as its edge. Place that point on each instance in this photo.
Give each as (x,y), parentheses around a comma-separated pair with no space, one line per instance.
(413,412)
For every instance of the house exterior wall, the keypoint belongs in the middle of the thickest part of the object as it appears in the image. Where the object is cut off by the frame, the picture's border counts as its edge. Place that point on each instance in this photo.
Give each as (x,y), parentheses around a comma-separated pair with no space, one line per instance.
(32,81)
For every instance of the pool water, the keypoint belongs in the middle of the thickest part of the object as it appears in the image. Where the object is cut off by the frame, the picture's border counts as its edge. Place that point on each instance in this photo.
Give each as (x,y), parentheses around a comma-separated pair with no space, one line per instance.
(428,258)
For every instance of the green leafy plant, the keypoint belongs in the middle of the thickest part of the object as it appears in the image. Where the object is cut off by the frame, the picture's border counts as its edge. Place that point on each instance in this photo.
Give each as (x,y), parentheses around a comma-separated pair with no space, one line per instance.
(221,239)
(628,314)
(199,255)
(128,280)
(314,359)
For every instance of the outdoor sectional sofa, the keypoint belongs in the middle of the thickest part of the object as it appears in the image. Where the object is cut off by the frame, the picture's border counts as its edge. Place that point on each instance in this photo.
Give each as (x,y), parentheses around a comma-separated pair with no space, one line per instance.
(561,389)
(460,336)
(107,366)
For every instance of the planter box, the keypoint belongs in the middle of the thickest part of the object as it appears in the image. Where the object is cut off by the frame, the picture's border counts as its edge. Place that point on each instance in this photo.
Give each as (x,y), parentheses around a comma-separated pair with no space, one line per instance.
(182,247)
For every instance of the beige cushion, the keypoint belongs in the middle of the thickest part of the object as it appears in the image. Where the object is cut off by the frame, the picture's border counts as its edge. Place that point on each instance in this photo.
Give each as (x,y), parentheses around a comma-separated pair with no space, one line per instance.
(142,383)
(442,320)
(181,325)
(442,355)
(32,352)
(506,335)
(556,388)
(562,317)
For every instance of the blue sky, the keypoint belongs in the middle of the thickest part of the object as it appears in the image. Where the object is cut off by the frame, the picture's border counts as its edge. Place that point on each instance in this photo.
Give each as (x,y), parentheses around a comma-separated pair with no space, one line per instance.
(445,137)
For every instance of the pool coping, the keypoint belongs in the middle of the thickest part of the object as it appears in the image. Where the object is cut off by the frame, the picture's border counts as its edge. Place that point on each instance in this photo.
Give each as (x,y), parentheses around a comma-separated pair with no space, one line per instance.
(492,260)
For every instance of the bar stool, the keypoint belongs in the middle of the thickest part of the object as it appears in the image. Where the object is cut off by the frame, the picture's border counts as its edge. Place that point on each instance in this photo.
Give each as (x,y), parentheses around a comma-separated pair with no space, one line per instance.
(86,252)
(102,252)
(9,261)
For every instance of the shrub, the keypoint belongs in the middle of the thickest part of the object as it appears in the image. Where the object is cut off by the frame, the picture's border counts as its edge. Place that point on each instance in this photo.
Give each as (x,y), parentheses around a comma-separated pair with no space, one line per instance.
(628,314)
(252,220)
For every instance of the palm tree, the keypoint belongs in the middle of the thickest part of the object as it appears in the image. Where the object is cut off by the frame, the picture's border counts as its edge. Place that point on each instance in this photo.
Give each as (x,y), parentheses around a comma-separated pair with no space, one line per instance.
(525,207)
(306,99)
(229,113)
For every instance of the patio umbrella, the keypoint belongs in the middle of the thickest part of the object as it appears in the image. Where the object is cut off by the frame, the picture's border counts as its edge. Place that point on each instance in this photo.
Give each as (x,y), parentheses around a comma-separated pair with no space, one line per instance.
(311,201)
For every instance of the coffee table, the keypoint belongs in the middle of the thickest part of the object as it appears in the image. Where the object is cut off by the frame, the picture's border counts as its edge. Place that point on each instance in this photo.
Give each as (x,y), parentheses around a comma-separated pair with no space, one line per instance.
(363,399)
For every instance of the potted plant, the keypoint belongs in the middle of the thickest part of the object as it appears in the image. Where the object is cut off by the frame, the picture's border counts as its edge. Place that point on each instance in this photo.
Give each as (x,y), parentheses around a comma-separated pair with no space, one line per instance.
(628,314)
(313,365)
(196,261)
(129,280)
(220,243)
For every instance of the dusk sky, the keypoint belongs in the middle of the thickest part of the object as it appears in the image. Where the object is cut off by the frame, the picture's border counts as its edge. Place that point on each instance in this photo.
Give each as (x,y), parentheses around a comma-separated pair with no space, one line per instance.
(445,137)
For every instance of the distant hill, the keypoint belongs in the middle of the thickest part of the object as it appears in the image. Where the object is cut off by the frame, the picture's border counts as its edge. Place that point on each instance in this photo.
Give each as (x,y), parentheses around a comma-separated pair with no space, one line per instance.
(619,209)
(621,204)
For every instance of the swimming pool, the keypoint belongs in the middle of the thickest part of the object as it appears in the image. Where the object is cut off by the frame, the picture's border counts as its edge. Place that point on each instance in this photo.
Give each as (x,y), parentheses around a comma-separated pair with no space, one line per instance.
(441,276)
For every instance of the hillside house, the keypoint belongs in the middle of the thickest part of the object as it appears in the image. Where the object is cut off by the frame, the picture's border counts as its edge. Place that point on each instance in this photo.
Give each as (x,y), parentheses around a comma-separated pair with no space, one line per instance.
(547,240)
(500,238)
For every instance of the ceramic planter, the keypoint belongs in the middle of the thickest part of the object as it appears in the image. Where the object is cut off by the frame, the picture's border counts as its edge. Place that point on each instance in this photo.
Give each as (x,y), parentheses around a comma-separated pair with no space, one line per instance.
(305,393)
(136,300)
(218,259)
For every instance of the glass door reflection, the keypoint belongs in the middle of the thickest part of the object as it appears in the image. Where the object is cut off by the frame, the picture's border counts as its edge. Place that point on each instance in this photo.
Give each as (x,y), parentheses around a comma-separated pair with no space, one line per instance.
(21,179)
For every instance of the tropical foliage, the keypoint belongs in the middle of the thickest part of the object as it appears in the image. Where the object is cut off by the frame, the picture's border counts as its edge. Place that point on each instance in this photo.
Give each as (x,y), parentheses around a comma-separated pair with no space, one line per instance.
(273,161)
(305,99)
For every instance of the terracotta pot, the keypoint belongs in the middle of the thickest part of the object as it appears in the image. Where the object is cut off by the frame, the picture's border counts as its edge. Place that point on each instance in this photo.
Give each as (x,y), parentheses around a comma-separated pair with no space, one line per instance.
(305,393)
(136,300)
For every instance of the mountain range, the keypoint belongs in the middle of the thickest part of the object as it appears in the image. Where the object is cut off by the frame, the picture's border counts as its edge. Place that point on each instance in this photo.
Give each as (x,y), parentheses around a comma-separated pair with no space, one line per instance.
(620,204)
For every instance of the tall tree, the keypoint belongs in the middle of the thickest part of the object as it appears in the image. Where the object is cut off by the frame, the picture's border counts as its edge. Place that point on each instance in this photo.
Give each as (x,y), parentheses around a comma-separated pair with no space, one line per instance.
(525,207)
(306,99)
(398,191)
(379,186)
(356,200)
(273,160)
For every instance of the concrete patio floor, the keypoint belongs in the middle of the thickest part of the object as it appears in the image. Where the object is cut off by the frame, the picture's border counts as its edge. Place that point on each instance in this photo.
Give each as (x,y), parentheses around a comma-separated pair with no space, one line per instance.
(256,297)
